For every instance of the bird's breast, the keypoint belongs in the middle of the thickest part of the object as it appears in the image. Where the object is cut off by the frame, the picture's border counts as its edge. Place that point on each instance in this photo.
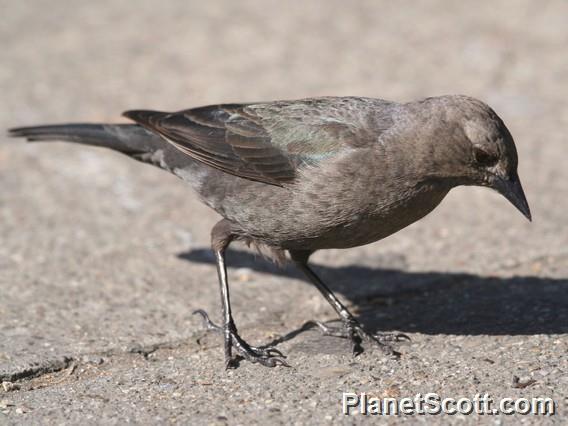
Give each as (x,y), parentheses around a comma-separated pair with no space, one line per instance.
(371,222)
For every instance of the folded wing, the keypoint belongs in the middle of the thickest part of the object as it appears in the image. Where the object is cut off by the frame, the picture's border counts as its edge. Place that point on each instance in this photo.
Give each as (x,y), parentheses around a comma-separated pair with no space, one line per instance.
(267,143)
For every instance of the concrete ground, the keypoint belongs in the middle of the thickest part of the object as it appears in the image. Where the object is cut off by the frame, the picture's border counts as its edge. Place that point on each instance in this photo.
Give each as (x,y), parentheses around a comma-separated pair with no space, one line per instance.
(102,259)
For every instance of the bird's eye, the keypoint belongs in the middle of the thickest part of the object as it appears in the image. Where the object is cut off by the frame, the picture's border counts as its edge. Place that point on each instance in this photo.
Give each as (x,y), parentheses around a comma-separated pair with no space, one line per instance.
(484,158)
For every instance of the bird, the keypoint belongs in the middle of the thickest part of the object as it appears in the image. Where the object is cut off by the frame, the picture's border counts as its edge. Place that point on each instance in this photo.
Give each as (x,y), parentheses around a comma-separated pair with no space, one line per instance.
(291,177)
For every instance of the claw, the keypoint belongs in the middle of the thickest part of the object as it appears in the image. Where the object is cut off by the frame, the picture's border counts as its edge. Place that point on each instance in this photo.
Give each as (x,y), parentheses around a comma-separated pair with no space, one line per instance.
(274,351)
(355,332)
(269,357)
(272,362)
(209,325)
(201,312)
(268,352)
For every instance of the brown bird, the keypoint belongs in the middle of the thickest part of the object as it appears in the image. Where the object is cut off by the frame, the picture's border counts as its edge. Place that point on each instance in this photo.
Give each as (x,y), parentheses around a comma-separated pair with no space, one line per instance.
(311,174)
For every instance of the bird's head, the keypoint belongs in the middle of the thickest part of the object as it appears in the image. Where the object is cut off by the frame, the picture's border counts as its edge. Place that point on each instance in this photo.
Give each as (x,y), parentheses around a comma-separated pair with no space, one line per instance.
(475,147)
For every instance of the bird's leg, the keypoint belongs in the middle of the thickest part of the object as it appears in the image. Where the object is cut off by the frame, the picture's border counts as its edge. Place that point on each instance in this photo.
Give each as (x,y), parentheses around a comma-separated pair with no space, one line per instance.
(352,329)
(210,325)
(220,239)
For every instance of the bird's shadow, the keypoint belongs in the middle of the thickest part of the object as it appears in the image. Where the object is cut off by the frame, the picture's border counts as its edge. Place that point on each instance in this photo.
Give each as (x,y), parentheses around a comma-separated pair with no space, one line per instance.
(431,302)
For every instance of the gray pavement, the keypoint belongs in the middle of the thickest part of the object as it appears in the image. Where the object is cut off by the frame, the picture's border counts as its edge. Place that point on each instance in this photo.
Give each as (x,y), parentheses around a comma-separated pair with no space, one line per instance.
(102,259)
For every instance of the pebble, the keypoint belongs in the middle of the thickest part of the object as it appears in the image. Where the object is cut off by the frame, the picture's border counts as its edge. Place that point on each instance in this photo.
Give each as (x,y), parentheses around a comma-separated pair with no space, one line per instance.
(9,386)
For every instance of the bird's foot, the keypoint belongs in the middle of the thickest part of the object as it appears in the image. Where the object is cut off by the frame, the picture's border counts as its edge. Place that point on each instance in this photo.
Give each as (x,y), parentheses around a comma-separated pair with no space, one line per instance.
(355,332)
(269,357)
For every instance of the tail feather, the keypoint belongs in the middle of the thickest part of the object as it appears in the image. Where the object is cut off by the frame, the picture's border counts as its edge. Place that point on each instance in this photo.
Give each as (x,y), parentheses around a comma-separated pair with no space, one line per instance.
(127,138)
(130,139)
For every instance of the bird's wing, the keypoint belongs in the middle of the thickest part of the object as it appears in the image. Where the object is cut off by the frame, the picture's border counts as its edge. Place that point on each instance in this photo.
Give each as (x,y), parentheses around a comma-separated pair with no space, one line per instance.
(266,142)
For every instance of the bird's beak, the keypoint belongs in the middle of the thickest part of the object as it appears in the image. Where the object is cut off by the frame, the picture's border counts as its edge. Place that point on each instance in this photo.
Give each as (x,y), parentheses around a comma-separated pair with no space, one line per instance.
(511,188)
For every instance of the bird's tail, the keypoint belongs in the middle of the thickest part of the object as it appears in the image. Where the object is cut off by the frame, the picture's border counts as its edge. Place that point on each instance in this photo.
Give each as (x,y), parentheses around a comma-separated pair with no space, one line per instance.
(130,139)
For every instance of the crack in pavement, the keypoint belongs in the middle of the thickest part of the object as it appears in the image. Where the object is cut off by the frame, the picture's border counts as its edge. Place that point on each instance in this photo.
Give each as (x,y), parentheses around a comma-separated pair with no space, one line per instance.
(45,367)
(56,365)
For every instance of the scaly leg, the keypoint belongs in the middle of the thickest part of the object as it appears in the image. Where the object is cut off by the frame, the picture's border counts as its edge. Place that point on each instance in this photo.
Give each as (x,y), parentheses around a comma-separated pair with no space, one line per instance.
(351,329)
(221,237)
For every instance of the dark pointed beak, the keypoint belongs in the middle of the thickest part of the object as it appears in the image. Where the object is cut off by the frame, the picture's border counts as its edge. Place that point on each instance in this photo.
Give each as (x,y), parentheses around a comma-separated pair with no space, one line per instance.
(512,190)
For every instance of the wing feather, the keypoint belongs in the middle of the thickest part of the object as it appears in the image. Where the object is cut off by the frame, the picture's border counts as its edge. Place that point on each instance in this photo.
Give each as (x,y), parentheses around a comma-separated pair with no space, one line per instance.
(268,142)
